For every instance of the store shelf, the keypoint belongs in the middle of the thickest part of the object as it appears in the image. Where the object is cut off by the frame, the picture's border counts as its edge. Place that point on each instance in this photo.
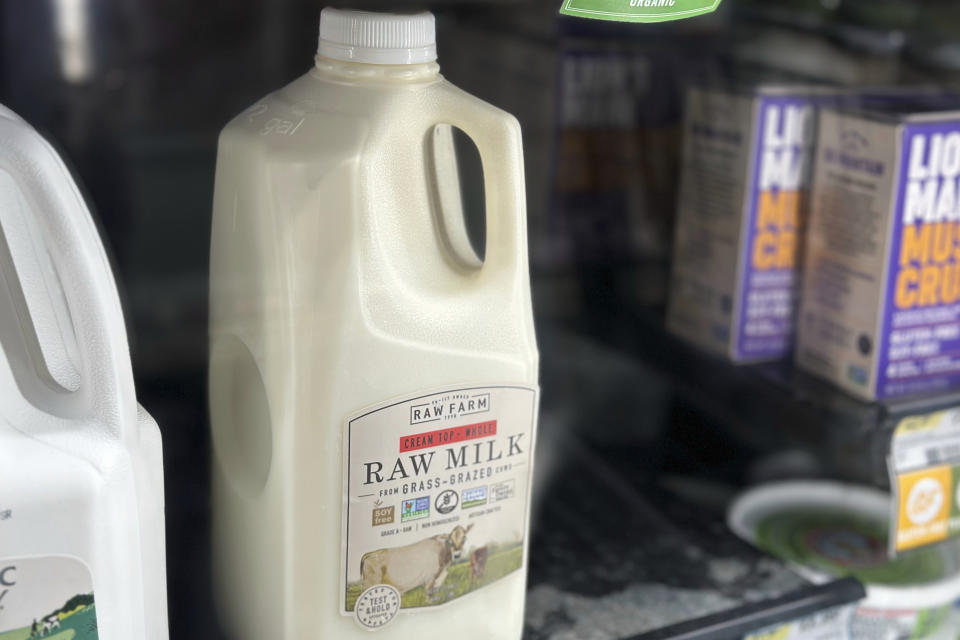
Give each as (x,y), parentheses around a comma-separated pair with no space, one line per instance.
(618,556)
(771,406)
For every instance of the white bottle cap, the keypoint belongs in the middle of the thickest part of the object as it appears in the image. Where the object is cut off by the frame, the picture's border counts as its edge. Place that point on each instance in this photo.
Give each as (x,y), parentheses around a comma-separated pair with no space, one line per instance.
(377,38)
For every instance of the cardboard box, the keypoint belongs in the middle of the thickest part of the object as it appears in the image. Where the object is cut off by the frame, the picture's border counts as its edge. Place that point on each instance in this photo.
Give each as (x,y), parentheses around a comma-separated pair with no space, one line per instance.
(881,303)
(741,220)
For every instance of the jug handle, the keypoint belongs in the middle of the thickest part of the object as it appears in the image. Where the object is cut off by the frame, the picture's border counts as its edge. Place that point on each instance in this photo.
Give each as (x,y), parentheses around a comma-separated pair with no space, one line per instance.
(106,394)
(498,139)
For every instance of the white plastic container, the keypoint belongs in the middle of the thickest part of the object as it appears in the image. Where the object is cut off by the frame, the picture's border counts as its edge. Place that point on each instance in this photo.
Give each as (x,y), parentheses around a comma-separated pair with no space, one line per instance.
(352,332)
(826,530)
(81,480)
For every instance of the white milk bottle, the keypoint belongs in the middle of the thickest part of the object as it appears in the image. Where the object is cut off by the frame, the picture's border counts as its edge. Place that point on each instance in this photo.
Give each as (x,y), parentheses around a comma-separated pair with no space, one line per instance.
(373,385)
(81,480)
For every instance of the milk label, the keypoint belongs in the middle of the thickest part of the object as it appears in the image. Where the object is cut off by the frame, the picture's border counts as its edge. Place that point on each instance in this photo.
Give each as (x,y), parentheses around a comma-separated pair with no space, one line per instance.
(436,498)
(46,597)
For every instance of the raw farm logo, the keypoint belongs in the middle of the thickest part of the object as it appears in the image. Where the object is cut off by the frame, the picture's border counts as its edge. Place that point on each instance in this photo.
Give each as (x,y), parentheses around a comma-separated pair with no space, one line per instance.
(638,10)
(450,407)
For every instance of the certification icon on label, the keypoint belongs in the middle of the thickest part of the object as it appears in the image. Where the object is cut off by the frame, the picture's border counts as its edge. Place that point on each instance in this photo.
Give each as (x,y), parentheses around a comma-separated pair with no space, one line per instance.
(447,502)
(378,606)
(474,497)
(415,509)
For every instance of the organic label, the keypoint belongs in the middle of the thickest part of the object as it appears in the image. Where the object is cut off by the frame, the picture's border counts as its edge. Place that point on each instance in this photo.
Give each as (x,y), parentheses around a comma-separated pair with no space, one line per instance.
(48,597)
(638,10)
(436,498)
(925,473)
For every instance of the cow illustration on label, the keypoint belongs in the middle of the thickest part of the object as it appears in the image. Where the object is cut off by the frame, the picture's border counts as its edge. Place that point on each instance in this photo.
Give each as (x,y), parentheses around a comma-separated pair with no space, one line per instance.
(478,563)
(421,564)
(47,597)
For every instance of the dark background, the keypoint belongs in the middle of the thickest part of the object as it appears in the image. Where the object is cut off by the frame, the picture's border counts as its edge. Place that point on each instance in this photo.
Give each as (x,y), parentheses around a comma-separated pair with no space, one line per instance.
(134,93)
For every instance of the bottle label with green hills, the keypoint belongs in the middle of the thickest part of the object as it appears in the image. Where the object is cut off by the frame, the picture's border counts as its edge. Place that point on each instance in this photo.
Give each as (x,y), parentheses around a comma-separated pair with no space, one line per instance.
(638,10)
(46,597)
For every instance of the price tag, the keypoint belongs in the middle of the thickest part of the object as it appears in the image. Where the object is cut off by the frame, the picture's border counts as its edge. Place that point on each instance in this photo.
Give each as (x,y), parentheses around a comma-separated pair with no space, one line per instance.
(924,467)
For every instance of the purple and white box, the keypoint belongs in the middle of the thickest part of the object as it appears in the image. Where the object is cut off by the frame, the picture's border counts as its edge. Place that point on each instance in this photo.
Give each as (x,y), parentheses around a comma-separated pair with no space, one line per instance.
(741,217)
(881,301)
(743,209)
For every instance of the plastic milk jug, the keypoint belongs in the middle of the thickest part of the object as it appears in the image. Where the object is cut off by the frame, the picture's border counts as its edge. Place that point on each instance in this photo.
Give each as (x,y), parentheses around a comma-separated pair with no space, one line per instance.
(81,479)
(373,386)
